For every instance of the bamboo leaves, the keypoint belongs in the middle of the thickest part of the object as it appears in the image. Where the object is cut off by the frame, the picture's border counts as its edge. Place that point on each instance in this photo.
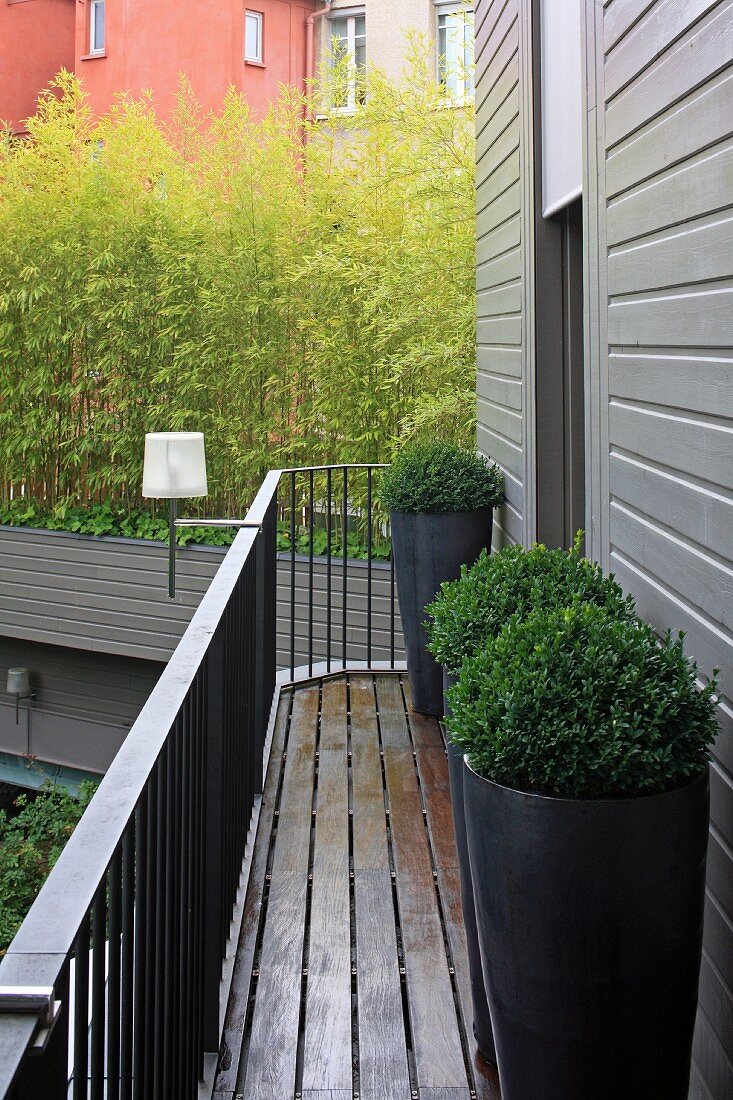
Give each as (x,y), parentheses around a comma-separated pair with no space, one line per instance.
(297,301)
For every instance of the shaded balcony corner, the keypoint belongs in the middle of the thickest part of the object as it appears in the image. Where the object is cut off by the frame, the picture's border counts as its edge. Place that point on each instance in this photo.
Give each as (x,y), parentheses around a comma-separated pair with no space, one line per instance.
(262,899)
(351,976)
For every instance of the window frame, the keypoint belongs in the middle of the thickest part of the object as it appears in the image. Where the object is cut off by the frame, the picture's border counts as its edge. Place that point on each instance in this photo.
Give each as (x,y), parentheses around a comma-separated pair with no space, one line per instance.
(94,49)
(464,90)
(259,16)
(348,16)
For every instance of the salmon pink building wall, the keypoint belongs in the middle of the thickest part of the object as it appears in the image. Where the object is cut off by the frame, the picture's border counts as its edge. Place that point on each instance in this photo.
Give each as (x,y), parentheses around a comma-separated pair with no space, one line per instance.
(36,40)
(148,45)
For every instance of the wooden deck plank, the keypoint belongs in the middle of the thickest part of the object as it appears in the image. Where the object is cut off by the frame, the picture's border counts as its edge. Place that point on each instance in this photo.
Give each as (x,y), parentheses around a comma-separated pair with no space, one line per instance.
(273,1048)
(485,1076)
(327,1055)
(329,1094)
(392,724)
(236,1015)
(370,826)
(334,724)
(445,1094)
(437,1067)
(425,730)
(432,767)
(271,1063)
(435,1033)
(292,847)
(383,1068)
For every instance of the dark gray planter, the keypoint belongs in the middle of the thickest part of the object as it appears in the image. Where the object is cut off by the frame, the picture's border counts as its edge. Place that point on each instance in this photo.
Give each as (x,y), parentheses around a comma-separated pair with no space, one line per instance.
(481,1018)
(590,918)
(430,548)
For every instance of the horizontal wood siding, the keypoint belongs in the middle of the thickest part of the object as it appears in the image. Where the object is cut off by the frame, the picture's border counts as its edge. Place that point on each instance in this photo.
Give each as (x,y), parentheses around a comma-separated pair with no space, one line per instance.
(92,620)
(663,288)
(107,595)
(111,596)
(500,284)
(84,703)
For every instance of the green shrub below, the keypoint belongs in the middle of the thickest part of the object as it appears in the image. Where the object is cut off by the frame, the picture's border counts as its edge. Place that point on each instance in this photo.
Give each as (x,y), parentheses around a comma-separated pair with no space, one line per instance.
(31,840)
(108,520)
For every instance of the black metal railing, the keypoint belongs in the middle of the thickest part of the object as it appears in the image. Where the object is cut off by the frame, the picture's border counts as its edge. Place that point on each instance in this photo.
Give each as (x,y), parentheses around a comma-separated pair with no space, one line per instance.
(113,981)
(329,520)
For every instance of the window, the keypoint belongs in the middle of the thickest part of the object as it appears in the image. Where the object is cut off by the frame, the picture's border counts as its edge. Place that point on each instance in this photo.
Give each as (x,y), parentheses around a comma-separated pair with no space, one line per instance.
(253,21)
(455,51)
(96,27)
(348,56)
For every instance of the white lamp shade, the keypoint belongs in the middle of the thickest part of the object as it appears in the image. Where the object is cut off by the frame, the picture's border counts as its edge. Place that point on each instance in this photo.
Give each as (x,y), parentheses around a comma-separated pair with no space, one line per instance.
(175,465)
(18,681)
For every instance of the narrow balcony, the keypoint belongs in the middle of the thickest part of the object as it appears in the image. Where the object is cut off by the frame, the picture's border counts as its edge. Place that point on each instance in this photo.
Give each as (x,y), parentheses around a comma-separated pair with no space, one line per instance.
(262,900)
(351,976)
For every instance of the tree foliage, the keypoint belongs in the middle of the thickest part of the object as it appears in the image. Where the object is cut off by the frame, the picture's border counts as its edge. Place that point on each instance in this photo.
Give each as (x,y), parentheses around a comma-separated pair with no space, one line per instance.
(300,291)
(31,840)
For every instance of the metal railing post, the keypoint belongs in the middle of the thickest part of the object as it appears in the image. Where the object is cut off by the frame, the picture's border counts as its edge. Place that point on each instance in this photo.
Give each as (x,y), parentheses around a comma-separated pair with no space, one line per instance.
(260,703)
(214,840)
(266,628)
(46,1072)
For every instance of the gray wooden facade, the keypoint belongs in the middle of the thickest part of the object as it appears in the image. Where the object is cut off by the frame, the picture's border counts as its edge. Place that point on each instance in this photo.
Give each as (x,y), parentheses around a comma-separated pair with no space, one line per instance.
(90,617)
(658,328)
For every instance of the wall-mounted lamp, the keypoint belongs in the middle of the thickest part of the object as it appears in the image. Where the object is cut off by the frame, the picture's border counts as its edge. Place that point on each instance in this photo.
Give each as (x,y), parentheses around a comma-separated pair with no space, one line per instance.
(19,685)
(174,468)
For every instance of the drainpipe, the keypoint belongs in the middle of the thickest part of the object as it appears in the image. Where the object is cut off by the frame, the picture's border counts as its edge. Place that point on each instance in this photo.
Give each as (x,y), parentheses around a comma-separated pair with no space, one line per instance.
(310,53)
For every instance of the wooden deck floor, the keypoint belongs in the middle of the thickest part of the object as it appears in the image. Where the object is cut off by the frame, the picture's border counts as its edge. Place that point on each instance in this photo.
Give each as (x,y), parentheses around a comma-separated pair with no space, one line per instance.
(351,976)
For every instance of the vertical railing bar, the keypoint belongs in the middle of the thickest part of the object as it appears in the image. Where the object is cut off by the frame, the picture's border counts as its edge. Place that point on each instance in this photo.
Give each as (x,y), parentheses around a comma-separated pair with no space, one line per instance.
(200,770)
(173,884)
(191,826)
(184,1037)
(128,959)
(81,1013)
(142,947)
(151,947)
(181,870)
(160,1020)
(329,494)
(369,566)
(310,573)
(344,562)
(97,1023)
(215,827)
(392,608)
(292,575)
(113,979)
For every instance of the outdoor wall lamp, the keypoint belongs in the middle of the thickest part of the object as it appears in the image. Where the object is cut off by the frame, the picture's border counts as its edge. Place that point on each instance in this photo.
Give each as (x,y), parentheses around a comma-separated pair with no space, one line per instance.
(174,468)
(19,685)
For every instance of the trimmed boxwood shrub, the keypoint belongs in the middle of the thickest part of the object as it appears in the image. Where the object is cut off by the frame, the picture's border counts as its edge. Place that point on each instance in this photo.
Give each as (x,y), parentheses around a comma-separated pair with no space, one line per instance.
(441,477)
(474,608)
(579,703)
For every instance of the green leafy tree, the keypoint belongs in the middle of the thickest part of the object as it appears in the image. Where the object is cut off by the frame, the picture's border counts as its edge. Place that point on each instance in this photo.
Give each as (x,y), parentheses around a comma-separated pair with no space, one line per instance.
(31,840)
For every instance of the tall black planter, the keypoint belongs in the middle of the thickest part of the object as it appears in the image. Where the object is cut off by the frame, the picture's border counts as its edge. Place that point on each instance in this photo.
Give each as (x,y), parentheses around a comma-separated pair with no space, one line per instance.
(590,923)
(481,1018)
(430,548)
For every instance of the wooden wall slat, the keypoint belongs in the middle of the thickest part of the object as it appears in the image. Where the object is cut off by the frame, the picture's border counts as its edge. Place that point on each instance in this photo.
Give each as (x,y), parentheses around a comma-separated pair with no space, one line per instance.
(500,107)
